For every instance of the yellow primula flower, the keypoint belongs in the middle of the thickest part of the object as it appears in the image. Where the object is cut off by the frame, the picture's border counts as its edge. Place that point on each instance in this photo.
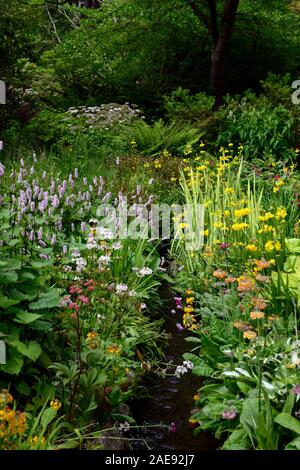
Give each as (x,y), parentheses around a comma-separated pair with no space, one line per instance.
(55,404)
(251,247)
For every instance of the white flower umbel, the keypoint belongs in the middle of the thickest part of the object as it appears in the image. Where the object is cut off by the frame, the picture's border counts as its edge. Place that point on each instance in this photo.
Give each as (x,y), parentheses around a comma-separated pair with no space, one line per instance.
(145,272)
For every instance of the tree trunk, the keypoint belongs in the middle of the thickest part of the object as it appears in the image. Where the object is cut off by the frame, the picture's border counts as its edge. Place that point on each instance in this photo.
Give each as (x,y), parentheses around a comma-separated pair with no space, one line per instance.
(220,45)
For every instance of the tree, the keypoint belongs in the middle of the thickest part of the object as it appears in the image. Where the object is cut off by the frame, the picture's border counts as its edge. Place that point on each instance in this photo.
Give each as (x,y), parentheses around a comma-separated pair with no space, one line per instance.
(220,32)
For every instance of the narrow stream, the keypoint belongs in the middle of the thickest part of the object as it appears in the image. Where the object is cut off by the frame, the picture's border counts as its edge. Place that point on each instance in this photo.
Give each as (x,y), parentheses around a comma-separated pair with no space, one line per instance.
(170,401)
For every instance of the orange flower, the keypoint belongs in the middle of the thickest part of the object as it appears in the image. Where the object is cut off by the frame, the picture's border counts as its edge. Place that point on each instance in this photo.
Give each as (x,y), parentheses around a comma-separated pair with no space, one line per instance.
(259,303)
(230,279)
(242,325)
(256,315)
(246,284)
(261,278)
(273,318)
(219,274)
(249,334)
(262,264)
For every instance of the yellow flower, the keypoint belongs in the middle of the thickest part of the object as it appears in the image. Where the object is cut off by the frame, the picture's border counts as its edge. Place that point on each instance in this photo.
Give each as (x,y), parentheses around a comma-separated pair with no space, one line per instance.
(238,227)
(272,245)
(277,246)
(189,291)
(55,404)
(114,349)
(238,213)
(205,232)
(266,229)
(173,179)
(183,225)
(193,421)
(281,213)
(196,397)
(189,309)
(269,246)
(190,300)
(229,191)
(249,335)
(251,247)
(218,225)
(267,216)
(37,440)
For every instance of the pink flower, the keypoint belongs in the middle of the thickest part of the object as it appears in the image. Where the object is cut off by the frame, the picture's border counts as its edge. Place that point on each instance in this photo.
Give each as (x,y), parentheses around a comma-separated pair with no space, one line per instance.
(229,414)
(83,299)
(173,427)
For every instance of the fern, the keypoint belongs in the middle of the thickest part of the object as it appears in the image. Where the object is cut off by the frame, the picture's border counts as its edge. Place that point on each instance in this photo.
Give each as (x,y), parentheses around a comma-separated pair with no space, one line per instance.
(153,139)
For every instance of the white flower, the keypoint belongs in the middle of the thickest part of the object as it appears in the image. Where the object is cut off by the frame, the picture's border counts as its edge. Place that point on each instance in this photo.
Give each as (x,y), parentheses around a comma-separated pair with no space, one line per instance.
(180,370)
(100,317)
(103,260)
(67,268)
(143,306)
(145,271)
(80,264)
(131,293)
(124,427)
(120,288)
(75,253)
(104,234)
(188,364)
(117,245)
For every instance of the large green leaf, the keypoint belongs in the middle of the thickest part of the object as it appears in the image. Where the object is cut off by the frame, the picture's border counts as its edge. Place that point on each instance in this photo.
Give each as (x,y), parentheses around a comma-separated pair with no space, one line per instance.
(31,349)
(46,300)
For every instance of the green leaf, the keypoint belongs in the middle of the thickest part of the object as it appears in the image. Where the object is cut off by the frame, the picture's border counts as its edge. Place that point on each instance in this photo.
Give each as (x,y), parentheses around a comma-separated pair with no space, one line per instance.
(289,404)
(38,264)
(289,422)
(238,440)
(23,388)
(8,276)
(13,365)
(32,350)
(25,317)
(294,444)
(5,302)
(48,415)
(46,300)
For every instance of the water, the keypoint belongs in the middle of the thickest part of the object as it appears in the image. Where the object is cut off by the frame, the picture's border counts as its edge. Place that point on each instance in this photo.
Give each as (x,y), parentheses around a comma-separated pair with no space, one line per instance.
(170,400)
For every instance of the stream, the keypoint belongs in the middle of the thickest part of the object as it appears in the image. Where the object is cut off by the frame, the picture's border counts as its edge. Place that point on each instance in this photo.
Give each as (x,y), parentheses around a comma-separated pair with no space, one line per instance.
(170,399)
